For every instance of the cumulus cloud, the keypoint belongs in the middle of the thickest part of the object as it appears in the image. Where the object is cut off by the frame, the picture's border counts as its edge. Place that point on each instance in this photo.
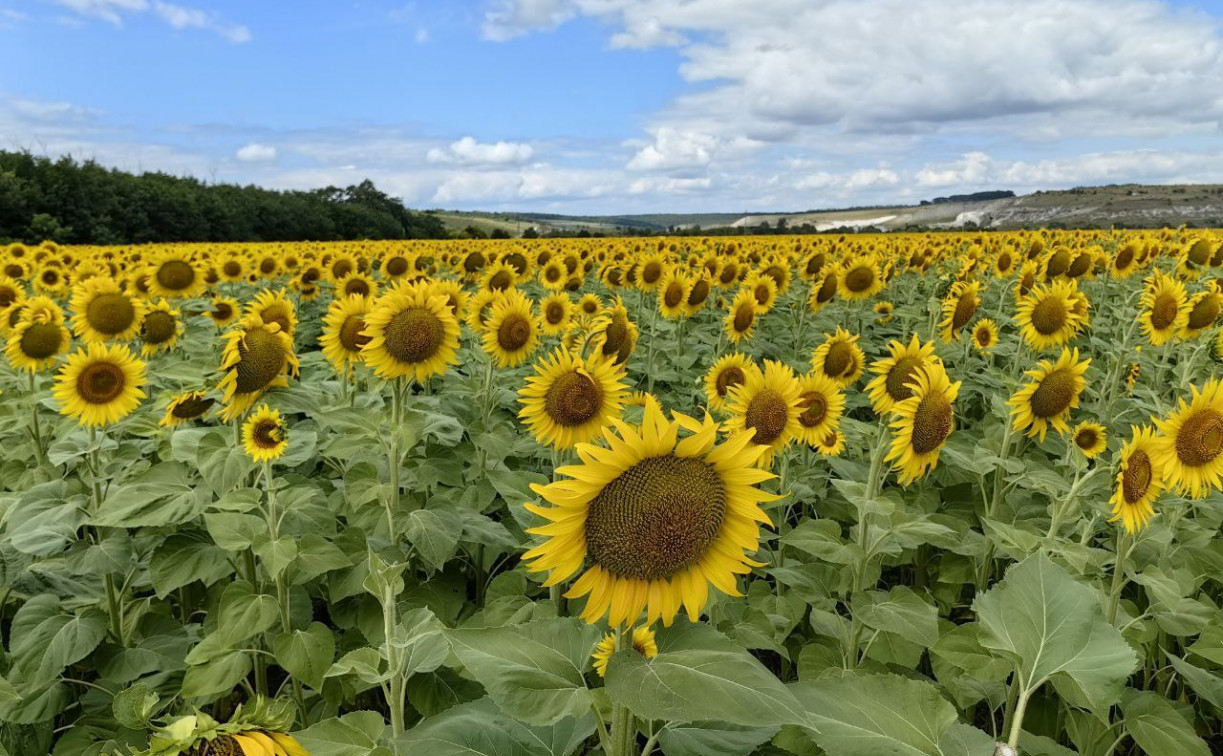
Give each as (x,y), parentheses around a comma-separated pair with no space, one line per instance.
(256,153)
(177,16)
(513,18)
(674,149)
(467,151)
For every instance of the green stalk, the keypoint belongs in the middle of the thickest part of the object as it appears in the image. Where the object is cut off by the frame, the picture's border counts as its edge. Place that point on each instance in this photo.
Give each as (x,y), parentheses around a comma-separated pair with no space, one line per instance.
(1124,545)
(392,499)
(35,424)
(282,588)
(114,604)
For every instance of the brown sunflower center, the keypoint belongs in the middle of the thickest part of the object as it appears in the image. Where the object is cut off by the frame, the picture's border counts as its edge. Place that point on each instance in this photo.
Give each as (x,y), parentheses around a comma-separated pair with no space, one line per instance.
(110,313)
(500,281)
(1058,263)
(413,335)
(100,382)
(728,379)
(13,270)
(396,266)
(964,310)
(192,407)
(767,413)
(840,360)
(261,359)
(815,409)
(342,268)
(232,268)
(554,312)
(828,289)
(514,332)
(1137,477)
(860,279)
(729,273)
(351,336)
(897,382)
(267,434)
(357,286)
(222,311)
(1163,311)
(1204,312)
(1124,257)
(553,273)
(931,422)
(656,518)
(1200,438)
(745,314)
(1049,315)
(159,327)
(573,399)
(42,340)
(675,294)
(699,293)
(1081,265)
(175,275)
(1199,253)
(651,273)
(1086,438)
(472,262)
(8,295)
(267,266)
(1054,395)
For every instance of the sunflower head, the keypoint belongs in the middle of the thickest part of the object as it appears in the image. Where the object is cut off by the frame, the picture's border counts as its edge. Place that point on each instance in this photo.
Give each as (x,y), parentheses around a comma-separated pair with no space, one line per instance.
(1190,445)
(513,330)
(186,407)
(922,422)
(840,358)
(344,331)
(570,399)
(264,435)
(1090,438)
(257,728)
(741,320)
(894,374)
(1139,481)
(103,312)
(174,275)
(256,357)
(985,335)
(411,333)
(641,640)
(959,307)
(1047,399)
(729,371)
(767,404)
(100,385)
(160,329)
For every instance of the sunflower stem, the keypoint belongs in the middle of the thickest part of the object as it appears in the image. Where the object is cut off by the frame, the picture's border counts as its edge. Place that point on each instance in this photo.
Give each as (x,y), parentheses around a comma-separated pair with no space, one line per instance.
(1124,545)
(392,499)
(114,604)
(35,424)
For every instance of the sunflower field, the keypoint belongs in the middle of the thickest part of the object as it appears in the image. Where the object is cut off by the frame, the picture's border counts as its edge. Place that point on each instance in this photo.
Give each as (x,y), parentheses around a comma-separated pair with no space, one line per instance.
(904,494)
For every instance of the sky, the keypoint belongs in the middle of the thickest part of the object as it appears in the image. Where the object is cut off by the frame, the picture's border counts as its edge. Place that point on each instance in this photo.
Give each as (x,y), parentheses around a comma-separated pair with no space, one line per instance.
(625,106)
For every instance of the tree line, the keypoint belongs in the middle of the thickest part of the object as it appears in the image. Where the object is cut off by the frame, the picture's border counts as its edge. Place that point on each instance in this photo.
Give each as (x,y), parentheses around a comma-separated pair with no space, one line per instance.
(82,202)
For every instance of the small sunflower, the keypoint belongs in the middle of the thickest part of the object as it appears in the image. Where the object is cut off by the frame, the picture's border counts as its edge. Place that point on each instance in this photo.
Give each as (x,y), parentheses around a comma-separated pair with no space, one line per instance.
(513,330)
(100,384)
(613,334)
(1053,392)
(741,320)
(767,403)
(555,310)
(861,279)
(642,641)
(223,311)
(823,292)
(344,332)
(830,444)
(1091,438)
(1139,481)
(764,291)
(175,275)
(673,294)
(553,275)
(275,307)
(498,277)
(232,267)
(1203,311)
(256,357)
(959,307)
(411,333)
(821,404)
(357,283)
(1046,315)
(570,399)
(38,337)
(186,407)
(1124,263)
(985,335)
(160,329)
(1189,448)
(894,374)
(922,423)
(1164,311)
(729,371)
(698,295)
(884,312)
(590,304)
(652,519)
(840,358)
(103,312)
(264,435)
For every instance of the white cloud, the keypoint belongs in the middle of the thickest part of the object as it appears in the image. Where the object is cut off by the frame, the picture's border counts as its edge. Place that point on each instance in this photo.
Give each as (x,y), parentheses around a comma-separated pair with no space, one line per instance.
(467,151)
(256,153)
(177,16)
(422,35)
(674,149)
(513,18)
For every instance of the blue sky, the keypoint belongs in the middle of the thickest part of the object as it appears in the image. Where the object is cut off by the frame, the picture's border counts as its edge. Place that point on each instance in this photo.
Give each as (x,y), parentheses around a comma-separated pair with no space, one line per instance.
(608,106)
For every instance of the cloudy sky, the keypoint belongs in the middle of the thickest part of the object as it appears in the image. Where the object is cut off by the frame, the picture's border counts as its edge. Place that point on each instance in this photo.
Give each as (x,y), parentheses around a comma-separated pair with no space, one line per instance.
(613,106)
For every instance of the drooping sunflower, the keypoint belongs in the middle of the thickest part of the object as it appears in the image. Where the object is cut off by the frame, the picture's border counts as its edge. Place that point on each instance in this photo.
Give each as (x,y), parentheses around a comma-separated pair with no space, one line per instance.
(729,371)
(224,311)
(185,407)
(651,271)
(100,384)
(1139,481)
(160,329)
(883,312)
(1202,312)
(698,295)
(512,331)
(264,435)
(821,404)
(861,279)
(768,403)
(174,275)
(922,423)
(741,319)
(344,332)
(257,728)
(11,292)
(613,334)
(1189,448)
(555,312)
(570,399)
(959,306)
(823,292)
(840,358)
(985,335)
(38,337)
(653,519)
(1163,308)
(1091,438)
(893,374)
(256,357)
(103,312)
(1053,391)
(411,333)
(642,641)
(1046,316)
(275,307)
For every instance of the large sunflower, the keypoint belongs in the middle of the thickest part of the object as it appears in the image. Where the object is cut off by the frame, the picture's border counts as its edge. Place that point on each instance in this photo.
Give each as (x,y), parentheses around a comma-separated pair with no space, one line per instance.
(959,307)
(103,312)
(729,371)
(411,333)
(512,331)
(1054,390)
(1139,481)
(570,399)
(768,403)
(264,435)
(256,356)
(820,404)
(160,329)
(1047,316)
(344,332)
(922,423)
(1189,448)
(840,358)
(1163,308)
(652,519)
(38,337)
(100,384)
(173,274)
(893,374)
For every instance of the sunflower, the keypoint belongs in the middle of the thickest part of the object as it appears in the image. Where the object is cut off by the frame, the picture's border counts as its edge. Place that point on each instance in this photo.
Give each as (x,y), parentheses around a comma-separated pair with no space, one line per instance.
(1054,390)
(160,329)
(1027,279)
(1202,312)
(100,384)
(741,319)
(513,330)
(729,371)
(1164,311)
(861,279)
(894,373)
(51,279)
(959,306)
(1090,438)
(820,404)
(652,519)
(103,312)
(1047,315)
(256,357)
(232,267)
(394,266)
(257,728)
(275,307)
(590,304)
(267,266)
(186,407)
(764,290)
(498,277)
(642,641)
(224,311)
(553,275)
(673,294)
(556,310)
(840,358)
(38,337)
(985,335)
(830,444)
(824,292)
(11,292)
(768,403)
(883,312)
(922,423)
(341,265)
(651,271)
(264,435)
(411,333)
(478,308)
(173,275)
(570,399)
(343,332)
(1139,481)
(1189,448)
(614,335)
(357,283)
(1123,264)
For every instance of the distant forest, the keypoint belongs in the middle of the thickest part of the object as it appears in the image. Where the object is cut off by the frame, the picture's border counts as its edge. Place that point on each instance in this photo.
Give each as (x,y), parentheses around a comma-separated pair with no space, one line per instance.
(75,202)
